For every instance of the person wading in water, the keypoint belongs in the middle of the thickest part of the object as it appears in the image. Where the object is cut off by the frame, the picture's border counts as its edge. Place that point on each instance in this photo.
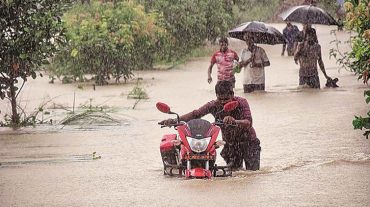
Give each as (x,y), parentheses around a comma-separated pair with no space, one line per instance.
(241,140)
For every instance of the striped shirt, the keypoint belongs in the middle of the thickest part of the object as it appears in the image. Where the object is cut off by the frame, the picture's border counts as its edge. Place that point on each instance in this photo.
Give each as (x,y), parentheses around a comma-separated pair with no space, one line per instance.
(224,63)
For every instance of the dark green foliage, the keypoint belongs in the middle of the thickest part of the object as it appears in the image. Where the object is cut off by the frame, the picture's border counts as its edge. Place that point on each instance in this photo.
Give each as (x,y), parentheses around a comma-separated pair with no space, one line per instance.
(363,123)
(219,18)
(30,32)
(190,23)
(108,40)
(358,59)
(112,38)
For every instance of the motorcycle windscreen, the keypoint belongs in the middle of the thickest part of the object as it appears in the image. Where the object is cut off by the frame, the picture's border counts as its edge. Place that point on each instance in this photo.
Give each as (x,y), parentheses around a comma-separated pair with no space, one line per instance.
(199,128)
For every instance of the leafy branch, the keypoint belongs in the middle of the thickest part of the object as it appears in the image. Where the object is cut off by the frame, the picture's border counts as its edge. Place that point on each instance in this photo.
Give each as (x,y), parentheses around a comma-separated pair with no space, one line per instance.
(363,123)
(358,59)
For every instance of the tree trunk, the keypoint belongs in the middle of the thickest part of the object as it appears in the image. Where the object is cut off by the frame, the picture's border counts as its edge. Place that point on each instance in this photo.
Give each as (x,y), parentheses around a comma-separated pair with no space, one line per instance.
(13,100)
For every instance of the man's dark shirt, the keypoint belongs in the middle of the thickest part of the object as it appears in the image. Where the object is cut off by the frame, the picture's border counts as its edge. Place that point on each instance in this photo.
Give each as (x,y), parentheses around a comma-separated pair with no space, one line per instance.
(230,134)
(291,34)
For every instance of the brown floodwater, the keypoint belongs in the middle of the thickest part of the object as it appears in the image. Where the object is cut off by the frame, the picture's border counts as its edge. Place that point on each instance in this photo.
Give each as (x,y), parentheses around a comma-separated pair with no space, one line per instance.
(311,156)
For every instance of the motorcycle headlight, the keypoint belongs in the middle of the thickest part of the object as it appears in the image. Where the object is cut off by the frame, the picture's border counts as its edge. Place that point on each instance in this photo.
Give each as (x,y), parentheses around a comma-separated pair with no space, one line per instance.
(198,145)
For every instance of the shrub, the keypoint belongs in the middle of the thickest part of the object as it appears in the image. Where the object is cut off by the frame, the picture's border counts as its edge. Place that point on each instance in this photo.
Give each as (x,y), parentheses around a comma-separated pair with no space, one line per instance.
(108,40)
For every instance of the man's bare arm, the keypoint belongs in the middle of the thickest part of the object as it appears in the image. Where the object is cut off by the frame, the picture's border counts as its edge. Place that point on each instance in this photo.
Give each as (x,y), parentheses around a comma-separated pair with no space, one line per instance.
(298,52)
(321,65)
(245,123)
(210,72)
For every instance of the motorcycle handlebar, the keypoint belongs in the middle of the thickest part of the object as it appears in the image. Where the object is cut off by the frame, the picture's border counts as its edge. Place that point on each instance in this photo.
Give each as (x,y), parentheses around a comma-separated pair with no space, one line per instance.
(170,125)
(221,123)
(217,123)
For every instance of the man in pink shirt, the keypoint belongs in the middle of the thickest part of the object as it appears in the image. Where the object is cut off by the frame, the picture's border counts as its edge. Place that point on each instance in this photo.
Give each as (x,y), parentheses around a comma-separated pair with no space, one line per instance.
(224,59)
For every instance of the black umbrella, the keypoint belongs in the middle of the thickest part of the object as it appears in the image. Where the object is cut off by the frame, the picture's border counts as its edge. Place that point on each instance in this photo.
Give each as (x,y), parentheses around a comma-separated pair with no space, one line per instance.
(259,32)
(279,38)
(308,14)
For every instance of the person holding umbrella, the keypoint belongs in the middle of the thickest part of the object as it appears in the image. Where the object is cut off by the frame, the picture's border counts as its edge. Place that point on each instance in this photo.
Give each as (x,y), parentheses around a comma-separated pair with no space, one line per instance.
(224,58)
(308,15)
(301,35)
(308,54)
(253,60)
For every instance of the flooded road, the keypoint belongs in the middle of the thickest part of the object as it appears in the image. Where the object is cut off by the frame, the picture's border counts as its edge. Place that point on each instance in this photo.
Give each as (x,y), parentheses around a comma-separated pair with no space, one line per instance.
(311,156)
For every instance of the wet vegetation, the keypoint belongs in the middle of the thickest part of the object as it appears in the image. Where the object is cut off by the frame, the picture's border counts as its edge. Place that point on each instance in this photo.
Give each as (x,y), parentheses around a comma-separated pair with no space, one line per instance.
(89,117)
(112,39)
(109,40)
(358,59)
(138,93)
(104,39)
(38,116)
(30,33)
(89,114)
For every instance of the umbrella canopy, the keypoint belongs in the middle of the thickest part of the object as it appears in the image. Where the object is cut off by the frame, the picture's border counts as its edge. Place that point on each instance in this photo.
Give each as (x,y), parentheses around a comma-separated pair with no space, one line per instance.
(308,14)
(259,32)
(279,38)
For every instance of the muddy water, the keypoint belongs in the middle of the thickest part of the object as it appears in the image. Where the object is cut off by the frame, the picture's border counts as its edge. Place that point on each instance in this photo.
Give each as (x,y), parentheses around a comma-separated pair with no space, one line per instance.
(311,156)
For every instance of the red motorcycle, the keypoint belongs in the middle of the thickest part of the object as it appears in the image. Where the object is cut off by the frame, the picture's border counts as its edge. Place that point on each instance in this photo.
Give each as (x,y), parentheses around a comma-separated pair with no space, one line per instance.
(193,151)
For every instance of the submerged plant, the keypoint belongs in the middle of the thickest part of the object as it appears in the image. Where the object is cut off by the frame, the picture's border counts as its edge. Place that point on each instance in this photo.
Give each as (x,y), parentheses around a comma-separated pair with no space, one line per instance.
(94,157)
(137,93)
(31,33)
(28,119)
(89,117)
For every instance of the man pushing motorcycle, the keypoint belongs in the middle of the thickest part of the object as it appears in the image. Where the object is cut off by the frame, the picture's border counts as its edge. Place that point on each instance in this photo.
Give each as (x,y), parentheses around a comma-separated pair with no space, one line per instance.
(237,130)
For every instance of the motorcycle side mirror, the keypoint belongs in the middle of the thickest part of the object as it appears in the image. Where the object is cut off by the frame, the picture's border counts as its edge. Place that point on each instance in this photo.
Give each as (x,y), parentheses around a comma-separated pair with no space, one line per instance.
(162,107)
(231,106)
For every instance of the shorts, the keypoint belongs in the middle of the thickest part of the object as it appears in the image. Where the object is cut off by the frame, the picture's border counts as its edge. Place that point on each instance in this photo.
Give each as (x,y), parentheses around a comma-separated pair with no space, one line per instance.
(231,80)
(291,48)
(312,81)
(248,88)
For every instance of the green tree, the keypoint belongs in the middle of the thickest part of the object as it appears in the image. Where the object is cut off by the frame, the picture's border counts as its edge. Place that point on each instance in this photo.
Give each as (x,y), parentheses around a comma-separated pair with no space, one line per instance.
(108,39)
(30,32)
(358,59)
(190,23)
(219,19)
